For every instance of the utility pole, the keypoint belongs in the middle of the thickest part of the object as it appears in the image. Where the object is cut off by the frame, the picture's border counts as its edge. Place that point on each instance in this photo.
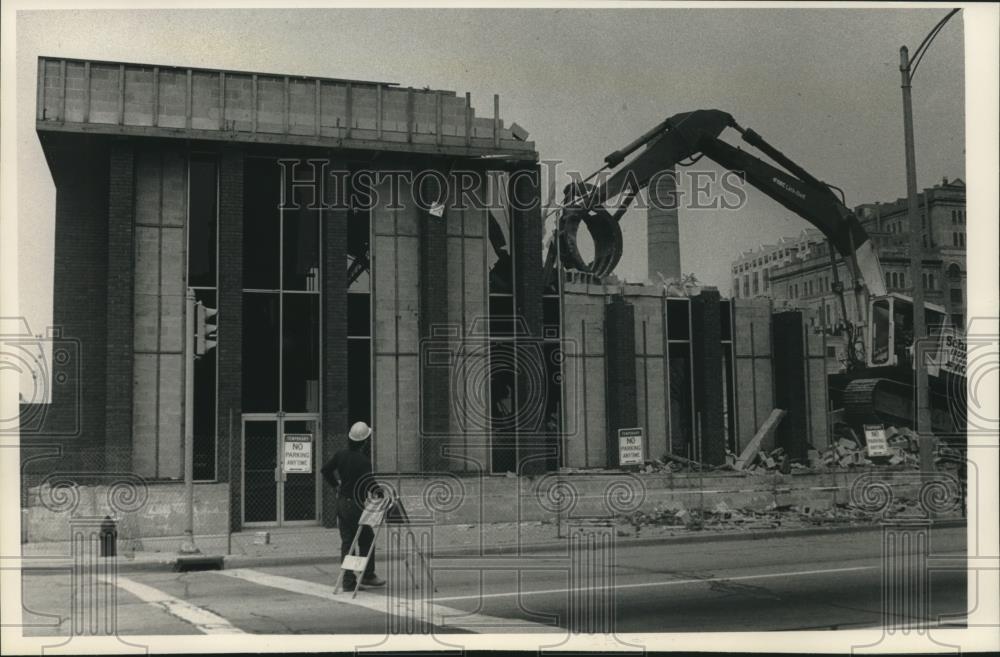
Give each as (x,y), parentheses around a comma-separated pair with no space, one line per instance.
(188,545)
(907,69)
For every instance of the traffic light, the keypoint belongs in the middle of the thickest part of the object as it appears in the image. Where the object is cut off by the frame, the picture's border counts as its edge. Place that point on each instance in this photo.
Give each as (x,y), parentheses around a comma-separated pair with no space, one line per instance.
(206,328)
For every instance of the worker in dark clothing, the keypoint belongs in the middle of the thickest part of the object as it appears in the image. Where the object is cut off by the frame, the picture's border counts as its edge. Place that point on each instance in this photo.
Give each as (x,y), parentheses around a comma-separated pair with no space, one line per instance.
(350,472)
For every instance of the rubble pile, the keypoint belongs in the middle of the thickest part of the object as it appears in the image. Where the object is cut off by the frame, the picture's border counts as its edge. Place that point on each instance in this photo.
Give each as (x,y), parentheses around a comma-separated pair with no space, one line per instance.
(846,452)
(724,517)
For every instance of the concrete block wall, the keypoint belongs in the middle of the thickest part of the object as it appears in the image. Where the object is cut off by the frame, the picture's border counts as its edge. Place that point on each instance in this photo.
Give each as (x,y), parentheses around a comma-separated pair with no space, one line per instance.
(754,376)
(651,369)
(584,376)
(158,510)
(816,385)
(158,312)
(396,331)
(475,500)
(138,91)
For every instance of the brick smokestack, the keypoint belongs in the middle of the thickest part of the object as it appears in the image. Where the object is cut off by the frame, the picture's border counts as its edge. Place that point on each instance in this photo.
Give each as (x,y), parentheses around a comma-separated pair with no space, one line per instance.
(663,251)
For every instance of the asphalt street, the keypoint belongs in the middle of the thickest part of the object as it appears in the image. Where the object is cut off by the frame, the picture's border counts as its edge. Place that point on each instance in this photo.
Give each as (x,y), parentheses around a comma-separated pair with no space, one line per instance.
(792,583)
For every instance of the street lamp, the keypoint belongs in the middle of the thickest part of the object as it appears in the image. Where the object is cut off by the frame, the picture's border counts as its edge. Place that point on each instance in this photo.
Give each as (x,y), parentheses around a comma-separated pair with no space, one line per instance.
(907,69)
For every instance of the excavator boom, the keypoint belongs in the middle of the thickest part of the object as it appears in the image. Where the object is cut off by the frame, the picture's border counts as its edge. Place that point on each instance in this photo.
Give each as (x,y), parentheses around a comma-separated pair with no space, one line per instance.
(690,134)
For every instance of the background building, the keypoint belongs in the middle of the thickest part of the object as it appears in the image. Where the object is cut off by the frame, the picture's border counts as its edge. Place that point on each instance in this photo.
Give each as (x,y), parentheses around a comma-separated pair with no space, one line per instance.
(753,269)
(797,273)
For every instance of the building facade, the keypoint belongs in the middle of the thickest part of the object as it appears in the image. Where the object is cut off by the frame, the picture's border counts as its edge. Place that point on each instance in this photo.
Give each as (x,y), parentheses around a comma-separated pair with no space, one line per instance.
(753,269)
(301,209)
(370,252)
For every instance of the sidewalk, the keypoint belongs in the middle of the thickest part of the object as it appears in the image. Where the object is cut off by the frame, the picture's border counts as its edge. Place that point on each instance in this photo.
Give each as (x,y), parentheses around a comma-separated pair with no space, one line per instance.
(316,545)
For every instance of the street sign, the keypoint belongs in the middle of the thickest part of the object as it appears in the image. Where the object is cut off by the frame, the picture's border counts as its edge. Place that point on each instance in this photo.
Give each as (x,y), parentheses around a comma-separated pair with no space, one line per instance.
(878,445)
(298,453)
(630,446)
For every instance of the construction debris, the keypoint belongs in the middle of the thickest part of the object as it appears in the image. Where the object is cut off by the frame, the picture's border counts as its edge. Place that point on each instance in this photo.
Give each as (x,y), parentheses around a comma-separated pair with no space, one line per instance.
(846,451)
(765,430)
(723,517)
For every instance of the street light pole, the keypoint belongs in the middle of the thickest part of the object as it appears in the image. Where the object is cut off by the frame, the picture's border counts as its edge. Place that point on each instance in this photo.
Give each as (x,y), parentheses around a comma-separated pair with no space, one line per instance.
(907,68)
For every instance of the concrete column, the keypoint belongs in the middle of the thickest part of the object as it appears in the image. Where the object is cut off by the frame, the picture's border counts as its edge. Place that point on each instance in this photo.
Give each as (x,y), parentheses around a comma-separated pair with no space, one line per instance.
(706,327)
(230,321)
(619,350)
(118,375)
(663,250)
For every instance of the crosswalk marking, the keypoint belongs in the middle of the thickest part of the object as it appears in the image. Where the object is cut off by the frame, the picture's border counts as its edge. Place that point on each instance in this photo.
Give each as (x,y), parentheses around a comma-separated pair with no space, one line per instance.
(439,615)
(204,620)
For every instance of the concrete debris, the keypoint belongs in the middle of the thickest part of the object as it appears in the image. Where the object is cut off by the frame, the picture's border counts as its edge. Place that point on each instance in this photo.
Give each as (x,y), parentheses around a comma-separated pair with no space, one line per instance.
(723,517)
(845,452)
(766,430)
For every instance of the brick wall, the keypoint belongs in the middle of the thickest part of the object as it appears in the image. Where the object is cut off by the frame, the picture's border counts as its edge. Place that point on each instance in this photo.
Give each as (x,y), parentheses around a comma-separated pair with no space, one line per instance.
(121,219)
(789,379)
(663,253)
(72,428)
(619,319)
(524,191)
(708,389)
(434,381)
(230,331)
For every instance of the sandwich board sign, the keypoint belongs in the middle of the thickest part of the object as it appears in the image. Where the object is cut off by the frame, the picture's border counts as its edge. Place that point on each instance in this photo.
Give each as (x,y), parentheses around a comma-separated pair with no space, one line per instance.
(878,444)
(630,446)
(297,453)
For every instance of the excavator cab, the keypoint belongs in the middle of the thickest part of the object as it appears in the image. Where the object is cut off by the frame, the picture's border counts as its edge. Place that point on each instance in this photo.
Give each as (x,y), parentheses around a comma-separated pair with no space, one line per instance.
(890,340)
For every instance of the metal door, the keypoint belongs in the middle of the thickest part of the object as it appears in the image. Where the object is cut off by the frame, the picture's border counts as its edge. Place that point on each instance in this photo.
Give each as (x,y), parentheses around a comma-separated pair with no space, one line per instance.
(281,460)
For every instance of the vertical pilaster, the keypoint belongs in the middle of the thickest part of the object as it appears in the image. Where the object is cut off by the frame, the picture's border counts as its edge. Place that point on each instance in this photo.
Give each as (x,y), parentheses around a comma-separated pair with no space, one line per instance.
(118,375)
(525,201)
(790,383)
(230,322)
(706,326)
(619,350)
(334,369)
(434,392)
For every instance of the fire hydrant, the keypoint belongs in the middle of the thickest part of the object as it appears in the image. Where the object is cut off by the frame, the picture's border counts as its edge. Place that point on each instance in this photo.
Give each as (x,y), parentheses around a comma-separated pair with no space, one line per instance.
(109,538)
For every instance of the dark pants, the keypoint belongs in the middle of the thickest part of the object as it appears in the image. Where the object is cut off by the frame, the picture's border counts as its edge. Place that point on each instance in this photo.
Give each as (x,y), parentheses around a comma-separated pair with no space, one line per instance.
(348,515)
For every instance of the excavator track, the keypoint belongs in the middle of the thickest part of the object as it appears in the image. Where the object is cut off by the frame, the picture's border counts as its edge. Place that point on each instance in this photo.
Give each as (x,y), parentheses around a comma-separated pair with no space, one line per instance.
(879,400)
(888,401)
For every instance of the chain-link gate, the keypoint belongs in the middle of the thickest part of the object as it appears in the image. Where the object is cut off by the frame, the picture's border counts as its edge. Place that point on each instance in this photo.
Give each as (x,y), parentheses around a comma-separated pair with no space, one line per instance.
(281,460)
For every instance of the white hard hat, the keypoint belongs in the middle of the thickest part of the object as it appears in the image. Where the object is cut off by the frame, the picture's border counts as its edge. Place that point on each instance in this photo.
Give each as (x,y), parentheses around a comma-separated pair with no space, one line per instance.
(359,431)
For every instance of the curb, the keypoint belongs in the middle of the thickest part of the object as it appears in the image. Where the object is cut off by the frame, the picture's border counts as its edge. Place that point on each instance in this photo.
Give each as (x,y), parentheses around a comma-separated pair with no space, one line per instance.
(245,561)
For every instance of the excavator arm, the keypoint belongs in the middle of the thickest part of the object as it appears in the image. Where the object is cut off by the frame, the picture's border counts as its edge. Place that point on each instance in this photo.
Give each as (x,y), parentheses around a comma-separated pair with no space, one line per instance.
(692,134)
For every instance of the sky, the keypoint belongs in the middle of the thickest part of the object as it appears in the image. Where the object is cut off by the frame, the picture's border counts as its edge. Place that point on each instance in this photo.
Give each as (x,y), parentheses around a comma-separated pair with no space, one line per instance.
(822,85)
